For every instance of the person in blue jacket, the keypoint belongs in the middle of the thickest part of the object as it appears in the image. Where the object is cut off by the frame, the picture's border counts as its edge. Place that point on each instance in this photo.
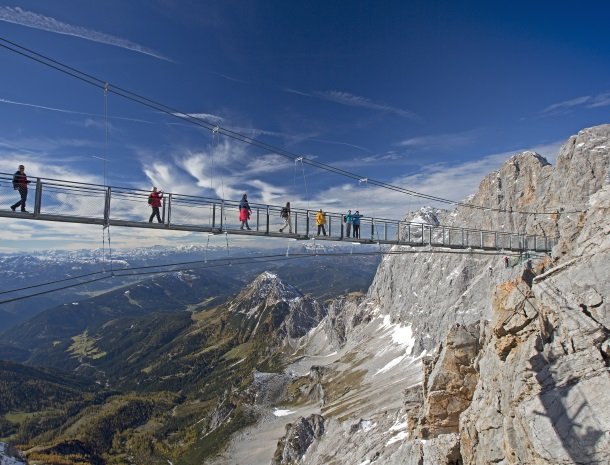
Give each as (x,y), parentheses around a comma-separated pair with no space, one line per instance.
(356,223)
(348,219)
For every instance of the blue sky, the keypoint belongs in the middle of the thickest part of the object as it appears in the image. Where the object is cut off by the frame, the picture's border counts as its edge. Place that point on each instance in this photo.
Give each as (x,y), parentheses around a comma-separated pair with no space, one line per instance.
(427,95)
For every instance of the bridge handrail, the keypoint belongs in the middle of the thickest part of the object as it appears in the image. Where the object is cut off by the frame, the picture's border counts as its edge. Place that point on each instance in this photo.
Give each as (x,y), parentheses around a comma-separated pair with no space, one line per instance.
(228,203)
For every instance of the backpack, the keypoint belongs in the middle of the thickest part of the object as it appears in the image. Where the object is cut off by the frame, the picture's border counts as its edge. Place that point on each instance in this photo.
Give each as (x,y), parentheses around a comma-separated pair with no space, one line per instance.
(150,199)
(284,212)
(345,218)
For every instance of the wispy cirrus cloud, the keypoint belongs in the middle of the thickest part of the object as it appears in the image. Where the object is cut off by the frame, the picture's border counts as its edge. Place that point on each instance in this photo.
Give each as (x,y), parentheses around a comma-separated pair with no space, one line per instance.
(588,101)
(345,98)
(72,112)
(207,117)
(33,20)
(228,78)
(437,141)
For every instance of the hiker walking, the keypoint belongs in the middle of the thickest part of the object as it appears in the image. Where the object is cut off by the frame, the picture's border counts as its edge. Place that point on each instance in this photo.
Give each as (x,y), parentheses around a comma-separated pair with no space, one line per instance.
(349,218)
(285,214)
(20,183)
(505,261)
(356,223)
(154,200)
(244,212)
(320,221)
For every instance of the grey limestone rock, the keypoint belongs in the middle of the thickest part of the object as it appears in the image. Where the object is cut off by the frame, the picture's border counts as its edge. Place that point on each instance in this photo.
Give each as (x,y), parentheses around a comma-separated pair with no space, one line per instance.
(299,436)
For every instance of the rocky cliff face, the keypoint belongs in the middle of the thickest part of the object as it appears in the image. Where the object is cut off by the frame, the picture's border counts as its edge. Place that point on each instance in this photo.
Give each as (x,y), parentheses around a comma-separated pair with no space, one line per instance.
(528,383)
(544,387)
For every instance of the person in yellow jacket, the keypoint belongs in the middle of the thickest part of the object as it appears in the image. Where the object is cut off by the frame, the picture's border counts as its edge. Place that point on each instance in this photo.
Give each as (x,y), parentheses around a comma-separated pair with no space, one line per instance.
(321,221)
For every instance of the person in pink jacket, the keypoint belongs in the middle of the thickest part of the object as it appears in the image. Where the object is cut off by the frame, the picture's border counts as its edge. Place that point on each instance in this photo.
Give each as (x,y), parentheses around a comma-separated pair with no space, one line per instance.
(244,212)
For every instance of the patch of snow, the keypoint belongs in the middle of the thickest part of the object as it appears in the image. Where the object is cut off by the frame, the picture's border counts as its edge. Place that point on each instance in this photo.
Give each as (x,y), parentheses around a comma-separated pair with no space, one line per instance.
(391,364)
(399,437)
(367,425)
(282,412)
(398,427)
(366,462)
(74,303)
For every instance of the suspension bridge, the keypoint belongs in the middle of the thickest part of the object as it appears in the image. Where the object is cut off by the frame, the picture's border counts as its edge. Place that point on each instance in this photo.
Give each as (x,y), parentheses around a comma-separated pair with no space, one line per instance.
(76,202)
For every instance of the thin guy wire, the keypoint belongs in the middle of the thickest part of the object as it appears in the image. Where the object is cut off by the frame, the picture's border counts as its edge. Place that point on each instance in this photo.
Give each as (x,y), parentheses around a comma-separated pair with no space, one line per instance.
(243,138)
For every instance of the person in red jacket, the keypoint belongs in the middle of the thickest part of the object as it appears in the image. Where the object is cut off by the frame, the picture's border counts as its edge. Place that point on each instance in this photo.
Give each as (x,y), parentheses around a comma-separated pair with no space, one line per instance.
(154,200)
(20,183)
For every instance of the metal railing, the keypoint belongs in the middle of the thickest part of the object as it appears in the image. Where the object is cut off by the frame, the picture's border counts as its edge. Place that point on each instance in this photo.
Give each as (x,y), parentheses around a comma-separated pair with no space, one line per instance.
(68,201)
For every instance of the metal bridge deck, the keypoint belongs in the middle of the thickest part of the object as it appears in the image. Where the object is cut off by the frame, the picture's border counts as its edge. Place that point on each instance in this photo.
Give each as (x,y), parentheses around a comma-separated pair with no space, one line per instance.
(73,202)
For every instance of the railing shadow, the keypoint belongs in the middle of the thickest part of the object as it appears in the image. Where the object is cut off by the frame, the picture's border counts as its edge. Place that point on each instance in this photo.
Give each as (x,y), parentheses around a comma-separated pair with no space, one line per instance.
(559,408)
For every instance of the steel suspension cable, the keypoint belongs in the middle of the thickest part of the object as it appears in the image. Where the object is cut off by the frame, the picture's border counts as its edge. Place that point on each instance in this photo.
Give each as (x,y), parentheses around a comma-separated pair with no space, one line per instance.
(241,137)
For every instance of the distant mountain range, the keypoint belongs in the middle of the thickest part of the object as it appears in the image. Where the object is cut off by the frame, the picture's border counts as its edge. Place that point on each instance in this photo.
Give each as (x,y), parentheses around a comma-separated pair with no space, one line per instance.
(18,270)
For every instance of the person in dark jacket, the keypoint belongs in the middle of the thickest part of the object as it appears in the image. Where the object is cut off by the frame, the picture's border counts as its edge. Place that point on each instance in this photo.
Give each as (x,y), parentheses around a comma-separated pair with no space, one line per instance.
(285,214)
(244,212)
(356,222)
(20,183)
(154,200)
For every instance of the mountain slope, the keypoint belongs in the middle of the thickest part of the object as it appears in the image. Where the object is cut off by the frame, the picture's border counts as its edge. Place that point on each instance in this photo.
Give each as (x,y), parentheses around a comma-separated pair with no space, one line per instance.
(183,382)
(389,394)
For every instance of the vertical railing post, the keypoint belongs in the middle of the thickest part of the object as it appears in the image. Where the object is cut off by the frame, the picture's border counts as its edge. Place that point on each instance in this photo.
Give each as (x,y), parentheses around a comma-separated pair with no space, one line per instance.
(296,222)
(481,239)
(510,242)
(163,209)
(38,197)
(422,234)
(222,215)
(267,223)
(258,218)
(443,235)
(213,215)
(307,223)
(169,209)
(535,243)
(409,233)
(330,217)
(463,245)
(372,229)
(385,230)
(495,240)
(107,206)
(341,236)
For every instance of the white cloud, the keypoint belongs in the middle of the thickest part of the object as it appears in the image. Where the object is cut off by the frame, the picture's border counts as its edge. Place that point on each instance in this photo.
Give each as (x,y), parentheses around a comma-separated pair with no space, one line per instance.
(600,100)
(345,98)
(207,117)
(88,121)
(565,105)
(439,141)
(22,17)
(453,182)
